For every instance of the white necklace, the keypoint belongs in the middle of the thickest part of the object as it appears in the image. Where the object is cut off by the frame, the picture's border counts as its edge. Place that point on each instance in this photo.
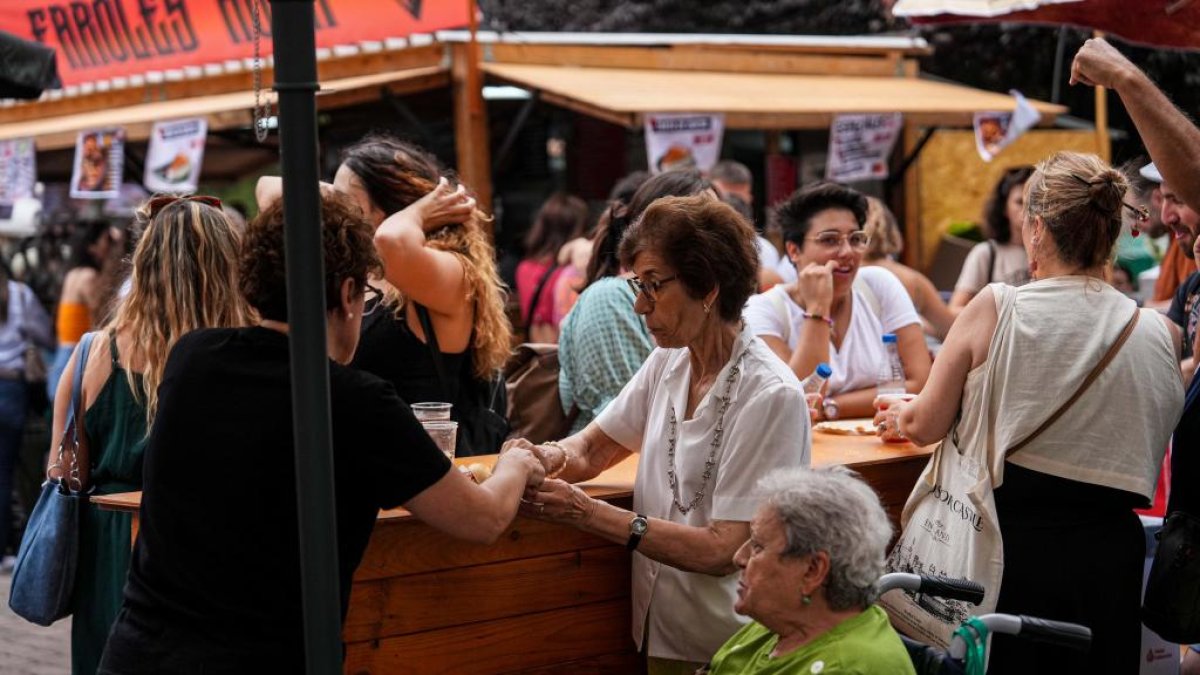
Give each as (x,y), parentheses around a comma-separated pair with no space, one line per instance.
(714,446)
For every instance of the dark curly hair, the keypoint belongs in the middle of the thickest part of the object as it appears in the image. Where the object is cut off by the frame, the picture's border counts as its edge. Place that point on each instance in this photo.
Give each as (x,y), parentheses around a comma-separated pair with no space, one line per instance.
(995,214)
(349,254)
(707,243)
(794,216)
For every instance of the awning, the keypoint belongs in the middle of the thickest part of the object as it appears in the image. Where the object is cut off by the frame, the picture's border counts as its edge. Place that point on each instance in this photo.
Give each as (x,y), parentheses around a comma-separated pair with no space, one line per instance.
(224,111)
(753,100)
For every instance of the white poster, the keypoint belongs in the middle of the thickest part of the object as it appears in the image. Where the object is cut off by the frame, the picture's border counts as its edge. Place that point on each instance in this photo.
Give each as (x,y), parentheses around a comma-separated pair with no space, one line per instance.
(995,131)
(683,141)
(18,170)
(174,155)
(860,146)
(99,162)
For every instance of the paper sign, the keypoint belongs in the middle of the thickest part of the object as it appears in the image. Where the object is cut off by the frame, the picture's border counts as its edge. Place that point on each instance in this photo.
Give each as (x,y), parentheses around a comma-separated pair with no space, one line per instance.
(18,170)
(860,146)
(995,131)
(683,141)
(99,161)
(174,155)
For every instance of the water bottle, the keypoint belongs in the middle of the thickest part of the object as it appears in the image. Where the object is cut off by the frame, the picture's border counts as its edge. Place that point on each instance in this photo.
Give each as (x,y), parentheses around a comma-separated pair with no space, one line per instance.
(891,374)
(813,383)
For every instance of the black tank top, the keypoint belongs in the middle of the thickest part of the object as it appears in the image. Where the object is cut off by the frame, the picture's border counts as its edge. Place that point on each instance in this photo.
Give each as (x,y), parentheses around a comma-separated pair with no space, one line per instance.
(388,348)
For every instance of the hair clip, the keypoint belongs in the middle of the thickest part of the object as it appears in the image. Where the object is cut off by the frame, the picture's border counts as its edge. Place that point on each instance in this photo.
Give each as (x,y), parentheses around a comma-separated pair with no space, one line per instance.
(1141,214)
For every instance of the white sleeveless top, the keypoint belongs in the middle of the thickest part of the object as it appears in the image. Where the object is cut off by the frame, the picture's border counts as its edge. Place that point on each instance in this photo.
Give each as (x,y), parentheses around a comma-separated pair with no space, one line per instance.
(1049,336)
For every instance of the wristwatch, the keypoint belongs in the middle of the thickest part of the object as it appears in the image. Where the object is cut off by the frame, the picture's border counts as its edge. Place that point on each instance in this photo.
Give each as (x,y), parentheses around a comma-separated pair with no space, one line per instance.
(830,408)
(637,528)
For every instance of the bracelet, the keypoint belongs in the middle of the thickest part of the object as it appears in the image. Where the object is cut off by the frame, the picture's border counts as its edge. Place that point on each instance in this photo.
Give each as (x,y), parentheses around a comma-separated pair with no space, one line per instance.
(817,317)
(566,460)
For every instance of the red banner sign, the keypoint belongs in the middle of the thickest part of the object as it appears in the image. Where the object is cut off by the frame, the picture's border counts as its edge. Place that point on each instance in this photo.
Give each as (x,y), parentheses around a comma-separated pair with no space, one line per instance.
(101,39)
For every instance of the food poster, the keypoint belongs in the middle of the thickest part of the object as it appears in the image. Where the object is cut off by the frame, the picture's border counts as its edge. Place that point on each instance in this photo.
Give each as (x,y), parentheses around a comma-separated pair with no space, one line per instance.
(99,161)
(995,131)
(174,155)
(860,146)
(18,172)
(683,141)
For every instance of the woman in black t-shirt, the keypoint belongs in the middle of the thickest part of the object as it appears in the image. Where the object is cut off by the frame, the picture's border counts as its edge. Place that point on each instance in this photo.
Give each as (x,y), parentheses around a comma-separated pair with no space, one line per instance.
(214,585)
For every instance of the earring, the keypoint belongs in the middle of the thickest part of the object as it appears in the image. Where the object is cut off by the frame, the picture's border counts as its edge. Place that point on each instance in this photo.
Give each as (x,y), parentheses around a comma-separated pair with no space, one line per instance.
(806,600)
(349,315)
(706,308)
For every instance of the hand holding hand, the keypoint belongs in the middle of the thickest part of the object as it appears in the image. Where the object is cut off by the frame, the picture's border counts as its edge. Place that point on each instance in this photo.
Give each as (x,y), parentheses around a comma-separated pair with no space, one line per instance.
(1099,63)
(442,206)
(557,501)
(887,418)
(527,462)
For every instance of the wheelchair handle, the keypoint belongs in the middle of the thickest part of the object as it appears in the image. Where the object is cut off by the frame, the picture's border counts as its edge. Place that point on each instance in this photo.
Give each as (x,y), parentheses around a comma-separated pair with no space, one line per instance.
(944,587)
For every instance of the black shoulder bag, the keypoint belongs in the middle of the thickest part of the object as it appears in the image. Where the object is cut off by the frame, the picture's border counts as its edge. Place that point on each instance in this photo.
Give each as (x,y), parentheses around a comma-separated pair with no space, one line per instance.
(481,404)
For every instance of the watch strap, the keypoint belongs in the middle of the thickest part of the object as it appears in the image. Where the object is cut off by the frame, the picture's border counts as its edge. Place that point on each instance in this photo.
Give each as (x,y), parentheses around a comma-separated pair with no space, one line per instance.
(635,537)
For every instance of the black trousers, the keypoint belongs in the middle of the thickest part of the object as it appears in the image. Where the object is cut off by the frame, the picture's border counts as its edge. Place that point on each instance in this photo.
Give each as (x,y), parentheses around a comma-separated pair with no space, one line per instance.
(1082,565)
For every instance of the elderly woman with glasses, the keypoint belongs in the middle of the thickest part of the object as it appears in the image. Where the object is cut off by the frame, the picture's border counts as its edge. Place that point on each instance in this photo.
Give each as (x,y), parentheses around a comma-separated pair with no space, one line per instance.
(837,311)
(808,577)
(709,412)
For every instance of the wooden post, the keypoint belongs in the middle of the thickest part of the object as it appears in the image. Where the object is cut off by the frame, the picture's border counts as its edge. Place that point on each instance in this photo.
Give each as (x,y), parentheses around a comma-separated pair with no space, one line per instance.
(470,119)
(1103,142)
(914,251)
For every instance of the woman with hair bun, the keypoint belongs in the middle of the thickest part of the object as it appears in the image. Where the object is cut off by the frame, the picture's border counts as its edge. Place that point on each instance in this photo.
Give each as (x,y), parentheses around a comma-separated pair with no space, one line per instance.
(1073,547)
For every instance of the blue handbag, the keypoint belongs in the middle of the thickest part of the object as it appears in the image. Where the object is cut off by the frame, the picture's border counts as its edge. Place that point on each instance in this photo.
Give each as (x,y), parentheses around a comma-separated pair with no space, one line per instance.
(43,580)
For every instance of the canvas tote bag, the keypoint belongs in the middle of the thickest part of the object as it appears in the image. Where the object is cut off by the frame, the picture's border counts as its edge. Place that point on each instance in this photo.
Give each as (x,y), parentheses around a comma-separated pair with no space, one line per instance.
(949,525)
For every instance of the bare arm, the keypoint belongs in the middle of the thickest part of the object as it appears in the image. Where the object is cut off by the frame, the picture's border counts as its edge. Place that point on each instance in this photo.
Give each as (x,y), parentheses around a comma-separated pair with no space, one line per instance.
(704,550)
(577,458)
(960,299)
(269,189)
(1170,137)
(928,418)
(932,309)
(479,513)
(432,277)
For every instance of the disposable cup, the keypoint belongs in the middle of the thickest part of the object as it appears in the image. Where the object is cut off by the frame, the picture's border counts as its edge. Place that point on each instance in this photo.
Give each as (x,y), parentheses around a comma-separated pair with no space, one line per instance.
(428,412)
(444,434)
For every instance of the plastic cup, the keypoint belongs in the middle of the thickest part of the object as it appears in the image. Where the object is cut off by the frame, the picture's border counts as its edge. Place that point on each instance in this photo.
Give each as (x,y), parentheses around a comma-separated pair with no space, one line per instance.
(429,412)
(444,433)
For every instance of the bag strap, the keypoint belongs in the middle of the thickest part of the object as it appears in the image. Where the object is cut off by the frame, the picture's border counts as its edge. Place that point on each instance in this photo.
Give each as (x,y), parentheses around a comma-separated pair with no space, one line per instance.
(537,294)
(992,261)
(1087,382)
(72,429)
(435,352)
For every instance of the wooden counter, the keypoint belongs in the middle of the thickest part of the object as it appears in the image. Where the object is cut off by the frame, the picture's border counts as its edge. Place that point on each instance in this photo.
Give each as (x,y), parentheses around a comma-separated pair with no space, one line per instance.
(543,599)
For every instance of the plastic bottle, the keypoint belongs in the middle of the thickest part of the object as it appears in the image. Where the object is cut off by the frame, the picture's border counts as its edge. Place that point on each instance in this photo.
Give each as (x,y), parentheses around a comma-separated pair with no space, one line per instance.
(813,383)
(891,374)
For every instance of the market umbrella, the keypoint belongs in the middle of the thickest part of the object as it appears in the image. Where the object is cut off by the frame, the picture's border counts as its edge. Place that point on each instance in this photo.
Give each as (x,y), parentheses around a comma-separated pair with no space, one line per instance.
(1154,23)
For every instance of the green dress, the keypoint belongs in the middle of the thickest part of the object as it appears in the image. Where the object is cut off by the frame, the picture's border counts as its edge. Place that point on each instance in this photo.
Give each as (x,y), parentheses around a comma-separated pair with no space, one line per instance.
(116,431)
(861,645)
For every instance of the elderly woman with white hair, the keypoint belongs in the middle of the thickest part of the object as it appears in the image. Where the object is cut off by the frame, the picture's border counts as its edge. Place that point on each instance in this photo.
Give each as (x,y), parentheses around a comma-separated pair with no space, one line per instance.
(809,569)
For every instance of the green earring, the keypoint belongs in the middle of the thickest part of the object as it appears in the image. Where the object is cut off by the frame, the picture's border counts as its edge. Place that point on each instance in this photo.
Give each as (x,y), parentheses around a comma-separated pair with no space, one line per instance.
(806,599)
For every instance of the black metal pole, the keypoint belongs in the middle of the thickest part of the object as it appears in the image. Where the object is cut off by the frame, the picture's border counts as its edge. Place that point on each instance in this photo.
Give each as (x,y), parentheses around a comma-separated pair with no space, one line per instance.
(292,30)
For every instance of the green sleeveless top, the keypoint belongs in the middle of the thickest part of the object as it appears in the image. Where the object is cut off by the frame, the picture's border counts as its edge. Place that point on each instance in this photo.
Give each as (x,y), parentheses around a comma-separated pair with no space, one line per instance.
(116,427)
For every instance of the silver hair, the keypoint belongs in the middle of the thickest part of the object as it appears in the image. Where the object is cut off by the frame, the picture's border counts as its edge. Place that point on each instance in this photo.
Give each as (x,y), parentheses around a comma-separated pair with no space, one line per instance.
(833,510)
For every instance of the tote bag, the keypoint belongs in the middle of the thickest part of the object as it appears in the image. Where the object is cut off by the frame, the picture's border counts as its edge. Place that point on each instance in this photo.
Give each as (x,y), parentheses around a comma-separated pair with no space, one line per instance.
(43,581)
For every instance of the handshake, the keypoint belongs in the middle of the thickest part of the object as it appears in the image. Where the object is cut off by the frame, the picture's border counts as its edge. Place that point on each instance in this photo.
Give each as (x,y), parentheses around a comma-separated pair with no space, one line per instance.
(546,497)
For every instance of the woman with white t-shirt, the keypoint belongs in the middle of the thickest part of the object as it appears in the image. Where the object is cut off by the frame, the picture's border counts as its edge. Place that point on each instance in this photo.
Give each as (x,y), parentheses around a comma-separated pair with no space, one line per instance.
(1002,257)
(710,412)
(837,311)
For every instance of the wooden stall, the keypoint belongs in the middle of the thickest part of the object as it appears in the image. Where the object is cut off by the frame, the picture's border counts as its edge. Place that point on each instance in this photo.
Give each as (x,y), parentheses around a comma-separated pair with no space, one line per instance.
(543,599)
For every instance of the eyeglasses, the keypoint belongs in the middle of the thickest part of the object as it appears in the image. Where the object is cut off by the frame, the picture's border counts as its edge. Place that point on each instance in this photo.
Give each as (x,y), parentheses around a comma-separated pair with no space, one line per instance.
(833,242)
(372,299)
(649,289)
(157,204)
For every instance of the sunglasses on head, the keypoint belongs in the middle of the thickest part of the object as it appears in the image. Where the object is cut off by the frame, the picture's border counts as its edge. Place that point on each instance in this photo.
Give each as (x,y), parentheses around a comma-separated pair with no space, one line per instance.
(157,204)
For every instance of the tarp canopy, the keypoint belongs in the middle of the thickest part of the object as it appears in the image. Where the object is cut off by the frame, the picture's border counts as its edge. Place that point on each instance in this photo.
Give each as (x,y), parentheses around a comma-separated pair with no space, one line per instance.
(1156,23)
(223,111)
(754,100)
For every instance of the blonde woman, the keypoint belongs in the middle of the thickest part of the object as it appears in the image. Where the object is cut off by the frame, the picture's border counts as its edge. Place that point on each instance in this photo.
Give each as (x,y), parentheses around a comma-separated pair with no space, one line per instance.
(885,243)
(184,277)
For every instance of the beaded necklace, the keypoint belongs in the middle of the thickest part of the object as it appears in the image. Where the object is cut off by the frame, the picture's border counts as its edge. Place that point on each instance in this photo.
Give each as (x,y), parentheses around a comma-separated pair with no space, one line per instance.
(714,446)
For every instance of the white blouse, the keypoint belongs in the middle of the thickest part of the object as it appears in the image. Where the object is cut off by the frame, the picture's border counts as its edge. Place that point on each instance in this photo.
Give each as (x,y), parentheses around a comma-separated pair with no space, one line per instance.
(688,616)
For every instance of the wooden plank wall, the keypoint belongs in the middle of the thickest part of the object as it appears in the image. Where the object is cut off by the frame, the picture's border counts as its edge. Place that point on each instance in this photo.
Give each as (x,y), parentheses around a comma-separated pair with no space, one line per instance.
(543,599)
